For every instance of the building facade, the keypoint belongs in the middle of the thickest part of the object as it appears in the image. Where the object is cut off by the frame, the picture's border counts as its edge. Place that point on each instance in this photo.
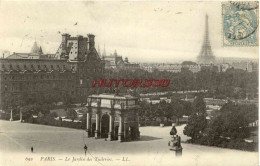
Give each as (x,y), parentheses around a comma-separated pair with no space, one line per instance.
(31,77)
(71,72)
(247,66)
(114,61)
(174,68)
(112,117)
(193,67)
(81,54)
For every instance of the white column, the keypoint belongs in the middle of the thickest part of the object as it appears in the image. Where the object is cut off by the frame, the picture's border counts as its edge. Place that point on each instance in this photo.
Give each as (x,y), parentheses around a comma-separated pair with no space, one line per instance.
(111,127)
(97,126)
(120,129)
(11,118)
(88,122)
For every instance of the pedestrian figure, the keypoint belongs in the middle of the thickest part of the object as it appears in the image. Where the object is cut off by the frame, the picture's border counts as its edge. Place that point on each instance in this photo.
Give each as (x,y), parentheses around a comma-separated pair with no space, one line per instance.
(32,149)
(85,148)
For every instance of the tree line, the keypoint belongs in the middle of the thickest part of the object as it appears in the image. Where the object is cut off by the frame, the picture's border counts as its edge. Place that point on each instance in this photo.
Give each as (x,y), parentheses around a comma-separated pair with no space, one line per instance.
(228,127)
(164,112)
(234,83)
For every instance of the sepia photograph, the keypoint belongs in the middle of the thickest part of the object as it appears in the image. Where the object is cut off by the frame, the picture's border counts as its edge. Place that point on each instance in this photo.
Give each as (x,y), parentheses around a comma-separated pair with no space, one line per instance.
(127,83)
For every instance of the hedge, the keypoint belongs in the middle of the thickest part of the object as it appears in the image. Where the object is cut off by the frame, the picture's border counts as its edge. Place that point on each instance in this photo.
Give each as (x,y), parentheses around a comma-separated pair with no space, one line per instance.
(154,123)
(52,122)
(239,144)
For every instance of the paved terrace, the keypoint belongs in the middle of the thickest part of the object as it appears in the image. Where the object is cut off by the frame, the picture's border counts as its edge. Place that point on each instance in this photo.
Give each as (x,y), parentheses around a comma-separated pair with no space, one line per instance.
(17,138)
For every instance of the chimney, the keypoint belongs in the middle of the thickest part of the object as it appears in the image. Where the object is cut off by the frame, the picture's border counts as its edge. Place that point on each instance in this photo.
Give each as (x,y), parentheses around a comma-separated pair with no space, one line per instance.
(91,38)
(65,37)
(80,36)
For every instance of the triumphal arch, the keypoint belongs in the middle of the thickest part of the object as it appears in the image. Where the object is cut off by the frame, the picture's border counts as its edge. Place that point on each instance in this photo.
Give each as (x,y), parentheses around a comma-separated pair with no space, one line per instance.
(112,117)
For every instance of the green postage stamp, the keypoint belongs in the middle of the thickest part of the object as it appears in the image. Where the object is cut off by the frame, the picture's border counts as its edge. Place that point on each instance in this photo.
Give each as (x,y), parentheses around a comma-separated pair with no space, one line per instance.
(240,23)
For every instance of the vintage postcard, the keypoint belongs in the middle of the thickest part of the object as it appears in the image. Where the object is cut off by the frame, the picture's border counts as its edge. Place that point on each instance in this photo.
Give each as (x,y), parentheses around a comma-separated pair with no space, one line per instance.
(112,83)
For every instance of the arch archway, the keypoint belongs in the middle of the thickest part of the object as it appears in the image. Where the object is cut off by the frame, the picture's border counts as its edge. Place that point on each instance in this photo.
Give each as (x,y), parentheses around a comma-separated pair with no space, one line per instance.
(104,126)
(132,132)
(116,132)
(93,128)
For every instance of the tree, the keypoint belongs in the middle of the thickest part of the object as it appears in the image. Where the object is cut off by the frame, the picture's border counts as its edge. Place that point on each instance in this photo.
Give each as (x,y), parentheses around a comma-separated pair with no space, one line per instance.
(199,106)
(168,111)
(28,111)
(177,109)
(43,108)
(145,108)
(197,122)
(12,103)
(67,100)
(53,114)
(230,127)
(187,107)
(161,110)
(235,119)
(72,114)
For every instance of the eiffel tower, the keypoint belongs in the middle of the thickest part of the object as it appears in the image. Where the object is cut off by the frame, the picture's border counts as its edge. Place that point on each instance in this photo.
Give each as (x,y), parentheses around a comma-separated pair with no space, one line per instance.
(206,55)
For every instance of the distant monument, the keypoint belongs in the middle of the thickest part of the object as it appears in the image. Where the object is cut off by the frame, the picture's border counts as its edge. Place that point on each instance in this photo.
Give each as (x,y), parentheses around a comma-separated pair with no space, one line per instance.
(206,55)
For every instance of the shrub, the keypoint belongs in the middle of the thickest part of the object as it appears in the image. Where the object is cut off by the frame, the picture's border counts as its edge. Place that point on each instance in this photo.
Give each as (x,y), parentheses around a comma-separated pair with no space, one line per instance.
(239,144)
(49,120)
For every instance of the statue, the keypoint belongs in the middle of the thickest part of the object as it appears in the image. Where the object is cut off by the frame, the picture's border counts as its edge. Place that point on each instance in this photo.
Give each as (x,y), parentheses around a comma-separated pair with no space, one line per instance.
(175,142)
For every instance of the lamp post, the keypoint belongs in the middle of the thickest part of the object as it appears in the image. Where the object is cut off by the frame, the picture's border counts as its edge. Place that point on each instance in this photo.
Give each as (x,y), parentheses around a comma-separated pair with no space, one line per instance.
(11,117)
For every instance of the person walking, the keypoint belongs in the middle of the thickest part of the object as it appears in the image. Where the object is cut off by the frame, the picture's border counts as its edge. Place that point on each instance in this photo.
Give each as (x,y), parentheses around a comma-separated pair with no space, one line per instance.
(85,148)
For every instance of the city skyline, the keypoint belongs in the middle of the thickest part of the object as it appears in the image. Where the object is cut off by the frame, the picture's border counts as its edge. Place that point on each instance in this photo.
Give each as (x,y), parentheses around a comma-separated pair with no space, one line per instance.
(135,33)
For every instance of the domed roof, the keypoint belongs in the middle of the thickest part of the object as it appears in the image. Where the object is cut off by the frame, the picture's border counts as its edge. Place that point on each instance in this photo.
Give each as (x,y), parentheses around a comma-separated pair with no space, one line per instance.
(36,49)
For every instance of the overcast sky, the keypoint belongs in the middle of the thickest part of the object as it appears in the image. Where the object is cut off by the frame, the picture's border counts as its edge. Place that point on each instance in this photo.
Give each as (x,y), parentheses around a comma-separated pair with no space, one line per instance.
(142,31)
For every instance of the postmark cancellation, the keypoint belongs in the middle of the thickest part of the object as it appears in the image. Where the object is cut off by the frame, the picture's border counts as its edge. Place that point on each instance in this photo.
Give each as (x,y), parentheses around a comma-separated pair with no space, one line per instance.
(240,23)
